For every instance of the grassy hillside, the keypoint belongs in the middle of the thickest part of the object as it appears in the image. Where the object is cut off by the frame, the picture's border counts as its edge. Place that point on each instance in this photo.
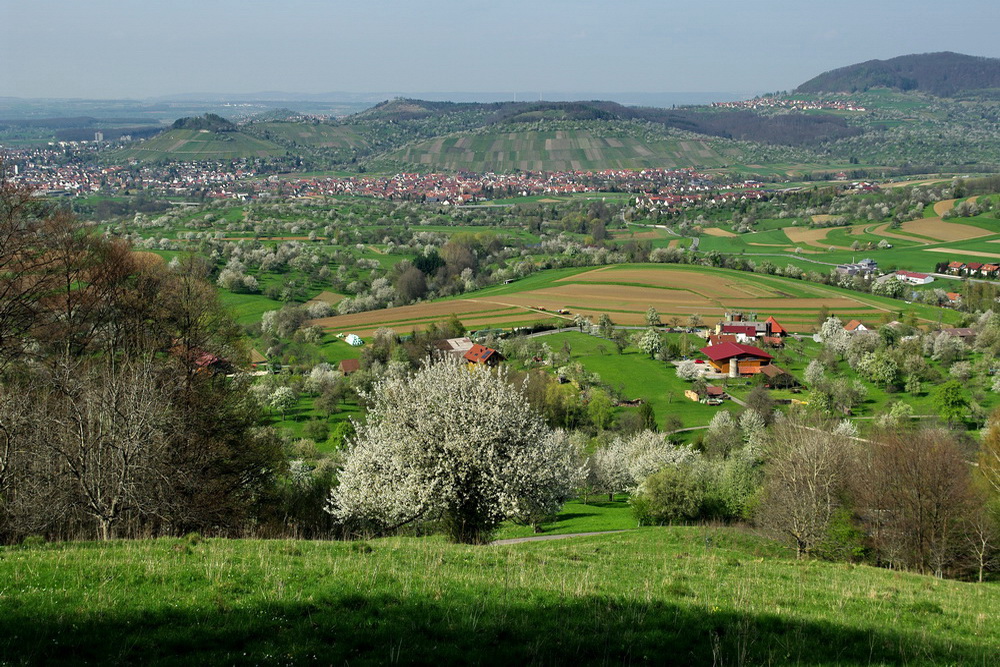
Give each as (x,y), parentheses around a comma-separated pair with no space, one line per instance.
(656,595)
(181,145)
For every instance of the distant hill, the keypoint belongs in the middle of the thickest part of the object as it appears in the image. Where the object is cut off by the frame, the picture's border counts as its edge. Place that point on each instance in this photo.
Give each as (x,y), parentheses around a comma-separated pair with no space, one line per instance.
(277,114)
(199,144)
(942,74)
(210,122)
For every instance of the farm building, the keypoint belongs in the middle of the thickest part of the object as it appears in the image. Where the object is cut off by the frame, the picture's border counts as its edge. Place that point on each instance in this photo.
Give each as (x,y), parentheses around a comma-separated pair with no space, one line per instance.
(736,358)
(455,346)
(354,340)
(914,278)
(748,330)
(712,393)
(965,333)
(865,268)
(481,355)
(348,366)
(778,378)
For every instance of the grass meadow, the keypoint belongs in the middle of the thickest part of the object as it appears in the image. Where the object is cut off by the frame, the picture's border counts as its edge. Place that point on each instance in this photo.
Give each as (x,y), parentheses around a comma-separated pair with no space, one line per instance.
(680,595)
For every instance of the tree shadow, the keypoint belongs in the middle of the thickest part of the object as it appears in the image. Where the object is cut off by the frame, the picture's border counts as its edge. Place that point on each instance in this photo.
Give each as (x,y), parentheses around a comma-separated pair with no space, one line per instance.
(505,627)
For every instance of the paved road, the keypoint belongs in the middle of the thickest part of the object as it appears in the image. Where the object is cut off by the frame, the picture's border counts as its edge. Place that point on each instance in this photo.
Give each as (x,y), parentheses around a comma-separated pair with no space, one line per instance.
(545,538)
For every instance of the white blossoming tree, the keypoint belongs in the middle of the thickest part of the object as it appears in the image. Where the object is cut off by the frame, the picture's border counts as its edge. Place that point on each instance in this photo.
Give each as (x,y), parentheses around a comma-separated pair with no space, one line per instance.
(455,445)
(629,460)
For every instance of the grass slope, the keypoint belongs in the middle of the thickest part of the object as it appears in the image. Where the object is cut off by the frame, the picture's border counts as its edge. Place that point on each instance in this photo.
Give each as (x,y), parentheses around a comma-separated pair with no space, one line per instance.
(656,595)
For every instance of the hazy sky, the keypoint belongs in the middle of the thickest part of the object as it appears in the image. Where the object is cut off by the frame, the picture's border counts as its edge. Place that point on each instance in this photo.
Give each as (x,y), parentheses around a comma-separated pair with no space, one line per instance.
(143,48)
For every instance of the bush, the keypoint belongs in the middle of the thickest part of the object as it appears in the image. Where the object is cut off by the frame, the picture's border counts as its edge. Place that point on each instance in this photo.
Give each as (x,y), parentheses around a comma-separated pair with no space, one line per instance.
(671,495)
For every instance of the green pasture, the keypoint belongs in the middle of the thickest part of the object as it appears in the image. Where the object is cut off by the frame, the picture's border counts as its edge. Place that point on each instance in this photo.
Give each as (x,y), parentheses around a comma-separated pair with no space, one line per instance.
(689,595)
(634,375)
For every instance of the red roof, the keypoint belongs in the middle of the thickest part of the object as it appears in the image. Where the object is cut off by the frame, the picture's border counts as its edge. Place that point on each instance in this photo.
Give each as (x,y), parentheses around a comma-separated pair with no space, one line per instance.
(730,350)
(478,354)
(853,325)
(719,339)
(348,366)
(775,327)
(745,329)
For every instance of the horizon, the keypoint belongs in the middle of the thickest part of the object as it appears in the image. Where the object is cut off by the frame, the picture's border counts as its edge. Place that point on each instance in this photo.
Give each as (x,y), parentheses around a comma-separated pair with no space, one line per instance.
(111,49)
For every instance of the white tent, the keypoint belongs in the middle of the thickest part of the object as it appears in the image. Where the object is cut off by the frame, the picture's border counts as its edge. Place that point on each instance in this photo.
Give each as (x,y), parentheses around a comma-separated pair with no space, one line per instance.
(354,340)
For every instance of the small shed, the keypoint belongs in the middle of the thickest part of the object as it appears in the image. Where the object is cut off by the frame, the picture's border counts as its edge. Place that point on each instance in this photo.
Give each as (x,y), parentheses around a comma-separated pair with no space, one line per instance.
(348,366)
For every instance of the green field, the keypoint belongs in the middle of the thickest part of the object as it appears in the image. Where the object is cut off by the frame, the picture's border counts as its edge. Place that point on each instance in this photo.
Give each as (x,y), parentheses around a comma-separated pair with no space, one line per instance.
(683,595)
(634,375)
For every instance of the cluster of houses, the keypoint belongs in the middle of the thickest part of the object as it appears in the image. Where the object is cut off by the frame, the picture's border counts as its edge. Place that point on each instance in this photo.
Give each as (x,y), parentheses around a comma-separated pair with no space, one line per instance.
(48,171)
(731,351)
(799,105)
(973,269)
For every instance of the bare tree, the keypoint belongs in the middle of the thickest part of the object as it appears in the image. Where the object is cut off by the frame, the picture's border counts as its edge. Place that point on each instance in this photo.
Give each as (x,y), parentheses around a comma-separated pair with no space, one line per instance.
(107,429)
(804,484)
(913,491)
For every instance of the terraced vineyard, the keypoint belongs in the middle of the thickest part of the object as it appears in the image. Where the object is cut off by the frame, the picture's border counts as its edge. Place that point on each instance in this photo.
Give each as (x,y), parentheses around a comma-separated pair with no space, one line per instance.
(182,145)
(563,150)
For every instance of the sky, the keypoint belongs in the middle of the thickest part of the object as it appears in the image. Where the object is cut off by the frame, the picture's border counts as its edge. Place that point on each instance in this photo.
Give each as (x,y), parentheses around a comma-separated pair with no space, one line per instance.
(136,49)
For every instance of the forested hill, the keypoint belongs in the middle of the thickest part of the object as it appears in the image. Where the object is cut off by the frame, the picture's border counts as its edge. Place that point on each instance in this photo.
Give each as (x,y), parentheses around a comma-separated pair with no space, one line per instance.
(944,74)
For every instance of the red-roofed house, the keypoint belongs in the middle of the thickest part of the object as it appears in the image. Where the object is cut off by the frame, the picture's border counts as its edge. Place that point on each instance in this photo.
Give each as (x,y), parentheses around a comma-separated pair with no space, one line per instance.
(914,278)
(480,354)
(736,358)
(854,326)
(773,328)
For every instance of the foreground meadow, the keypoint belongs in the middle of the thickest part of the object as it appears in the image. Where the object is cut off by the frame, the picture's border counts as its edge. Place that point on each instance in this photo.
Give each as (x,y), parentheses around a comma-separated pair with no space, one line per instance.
(690,595)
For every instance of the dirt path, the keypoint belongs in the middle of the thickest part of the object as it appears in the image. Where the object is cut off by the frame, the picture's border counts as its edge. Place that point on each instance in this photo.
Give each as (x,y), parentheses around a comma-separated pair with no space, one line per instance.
(545,538)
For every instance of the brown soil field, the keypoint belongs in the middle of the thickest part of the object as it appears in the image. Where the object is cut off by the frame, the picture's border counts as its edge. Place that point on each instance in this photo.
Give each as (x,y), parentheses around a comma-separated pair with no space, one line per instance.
(715,231)
(823,217)
(267,238)
(971,253)
(673,243)
(699,283)
(417,312)
(673,293)
(327,297)
(903,184)
(639,235)
(883,230)
(807,236)
(936,228)
(943,206)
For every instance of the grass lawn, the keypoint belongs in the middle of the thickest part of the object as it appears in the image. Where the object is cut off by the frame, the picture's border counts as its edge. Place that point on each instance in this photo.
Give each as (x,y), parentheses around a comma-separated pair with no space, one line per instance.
(635,375)
(595,515)
(682,595)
